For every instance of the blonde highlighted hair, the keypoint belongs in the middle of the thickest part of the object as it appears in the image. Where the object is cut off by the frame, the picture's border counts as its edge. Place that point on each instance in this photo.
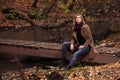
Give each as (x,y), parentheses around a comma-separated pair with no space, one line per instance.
(74,20)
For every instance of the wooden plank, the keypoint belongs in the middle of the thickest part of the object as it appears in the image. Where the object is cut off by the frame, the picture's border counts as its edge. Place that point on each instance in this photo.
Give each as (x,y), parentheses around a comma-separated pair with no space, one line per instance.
(11,42)
(26,52)
(46,49)
(31,44)
(56,54)
(103,59)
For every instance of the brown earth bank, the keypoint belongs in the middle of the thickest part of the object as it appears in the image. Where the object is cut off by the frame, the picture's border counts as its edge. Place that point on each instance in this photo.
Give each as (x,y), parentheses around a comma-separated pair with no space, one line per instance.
(82,71)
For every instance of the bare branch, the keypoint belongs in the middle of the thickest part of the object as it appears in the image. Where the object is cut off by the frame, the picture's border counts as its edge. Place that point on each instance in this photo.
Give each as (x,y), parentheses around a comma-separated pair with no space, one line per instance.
(35,3)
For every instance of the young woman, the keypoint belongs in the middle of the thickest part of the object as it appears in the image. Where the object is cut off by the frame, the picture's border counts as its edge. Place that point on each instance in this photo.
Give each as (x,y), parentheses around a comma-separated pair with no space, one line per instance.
(81,43)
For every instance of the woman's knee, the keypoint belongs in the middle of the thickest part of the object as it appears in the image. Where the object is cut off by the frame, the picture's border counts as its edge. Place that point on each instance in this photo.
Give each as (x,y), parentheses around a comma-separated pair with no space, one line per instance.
(74,58)
(75,55)
(65,44)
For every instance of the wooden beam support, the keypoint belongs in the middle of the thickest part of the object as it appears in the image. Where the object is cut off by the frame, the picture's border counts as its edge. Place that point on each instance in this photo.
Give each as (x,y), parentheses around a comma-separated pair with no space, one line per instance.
(21,49)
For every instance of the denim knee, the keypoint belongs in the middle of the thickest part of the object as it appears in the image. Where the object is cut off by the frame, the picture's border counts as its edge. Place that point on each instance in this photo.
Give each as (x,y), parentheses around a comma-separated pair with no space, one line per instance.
(65,44)
(75,55)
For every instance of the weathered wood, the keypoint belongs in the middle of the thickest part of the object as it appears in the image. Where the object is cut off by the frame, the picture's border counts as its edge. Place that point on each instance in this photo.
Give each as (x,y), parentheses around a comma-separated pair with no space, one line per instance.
(22,52)
(45,45)
(20,48)
(103,59)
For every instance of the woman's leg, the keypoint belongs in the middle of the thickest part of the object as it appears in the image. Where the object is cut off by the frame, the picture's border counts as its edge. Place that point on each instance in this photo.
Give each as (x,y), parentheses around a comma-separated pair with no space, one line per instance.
(78,53)
(65,49)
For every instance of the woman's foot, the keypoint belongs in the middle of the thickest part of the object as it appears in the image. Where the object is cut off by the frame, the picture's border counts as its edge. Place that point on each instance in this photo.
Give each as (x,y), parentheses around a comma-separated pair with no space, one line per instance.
(60,66)
(68,67)
(63,63)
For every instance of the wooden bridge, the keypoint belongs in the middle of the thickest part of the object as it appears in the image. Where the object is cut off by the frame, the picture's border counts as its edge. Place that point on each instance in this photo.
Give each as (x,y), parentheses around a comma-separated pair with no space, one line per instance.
(22,49)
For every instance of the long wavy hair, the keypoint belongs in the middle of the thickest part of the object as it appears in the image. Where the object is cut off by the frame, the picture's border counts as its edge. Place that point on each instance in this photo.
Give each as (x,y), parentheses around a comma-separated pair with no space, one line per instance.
(77,26)
(74,20)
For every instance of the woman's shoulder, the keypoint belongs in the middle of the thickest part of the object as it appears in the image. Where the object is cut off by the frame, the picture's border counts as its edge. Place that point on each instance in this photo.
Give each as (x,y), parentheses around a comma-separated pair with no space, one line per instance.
(85,26)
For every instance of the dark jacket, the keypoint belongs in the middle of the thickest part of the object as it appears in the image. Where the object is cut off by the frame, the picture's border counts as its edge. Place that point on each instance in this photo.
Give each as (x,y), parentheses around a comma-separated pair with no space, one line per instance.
(86,33)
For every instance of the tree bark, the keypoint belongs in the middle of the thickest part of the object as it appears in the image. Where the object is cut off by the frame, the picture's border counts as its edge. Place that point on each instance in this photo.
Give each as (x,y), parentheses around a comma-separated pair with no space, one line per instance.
(47,10)
(65,1)
(47,26)
(71,6)
(85,3)
(35,3)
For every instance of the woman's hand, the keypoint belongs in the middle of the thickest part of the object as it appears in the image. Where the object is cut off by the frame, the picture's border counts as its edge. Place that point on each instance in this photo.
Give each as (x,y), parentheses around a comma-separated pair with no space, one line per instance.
(72,47)
(81,46)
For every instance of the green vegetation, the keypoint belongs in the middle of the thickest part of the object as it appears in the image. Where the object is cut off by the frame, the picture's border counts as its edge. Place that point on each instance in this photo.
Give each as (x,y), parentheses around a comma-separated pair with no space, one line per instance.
(12,14)
(42,9)
(54,12)
(34,14)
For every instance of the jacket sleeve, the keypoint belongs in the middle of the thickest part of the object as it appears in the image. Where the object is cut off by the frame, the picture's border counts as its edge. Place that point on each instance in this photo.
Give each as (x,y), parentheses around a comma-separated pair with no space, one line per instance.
(87,36)
(73,39)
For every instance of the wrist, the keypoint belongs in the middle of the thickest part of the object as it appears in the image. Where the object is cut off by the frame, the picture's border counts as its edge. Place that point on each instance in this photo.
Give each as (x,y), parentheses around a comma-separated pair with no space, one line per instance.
(83,46)
(71,44)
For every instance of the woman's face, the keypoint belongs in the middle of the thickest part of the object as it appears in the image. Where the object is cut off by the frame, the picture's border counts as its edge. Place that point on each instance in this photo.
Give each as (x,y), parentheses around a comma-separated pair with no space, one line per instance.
(78,19)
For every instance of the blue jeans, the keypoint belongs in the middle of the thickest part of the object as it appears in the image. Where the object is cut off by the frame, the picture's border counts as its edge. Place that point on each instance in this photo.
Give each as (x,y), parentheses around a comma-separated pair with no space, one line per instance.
(76,54)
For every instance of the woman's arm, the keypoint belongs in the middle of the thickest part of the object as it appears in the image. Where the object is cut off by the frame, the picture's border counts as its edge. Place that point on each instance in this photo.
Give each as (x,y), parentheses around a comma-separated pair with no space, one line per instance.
(87,35)
(73,33)
(73,40)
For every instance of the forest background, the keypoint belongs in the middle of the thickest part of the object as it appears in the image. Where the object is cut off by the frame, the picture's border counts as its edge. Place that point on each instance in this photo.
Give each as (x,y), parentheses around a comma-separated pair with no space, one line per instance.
(103,16)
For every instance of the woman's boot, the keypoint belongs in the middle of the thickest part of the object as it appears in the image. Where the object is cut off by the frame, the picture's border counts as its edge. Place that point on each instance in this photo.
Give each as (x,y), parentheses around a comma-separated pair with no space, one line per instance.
(65,61)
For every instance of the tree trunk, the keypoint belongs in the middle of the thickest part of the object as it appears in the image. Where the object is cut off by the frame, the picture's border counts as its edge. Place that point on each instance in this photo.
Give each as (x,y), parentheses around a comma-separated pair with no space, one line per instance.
(47,10)
(65,1)
(35,3)
(71,6)
(85,3)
